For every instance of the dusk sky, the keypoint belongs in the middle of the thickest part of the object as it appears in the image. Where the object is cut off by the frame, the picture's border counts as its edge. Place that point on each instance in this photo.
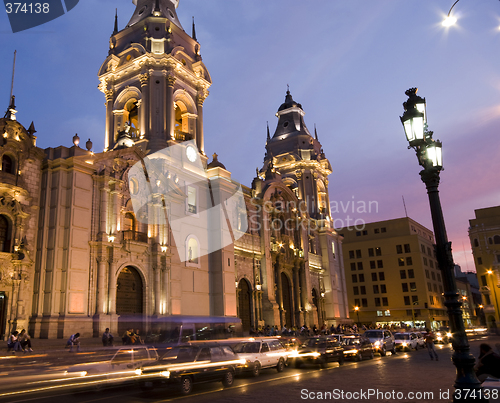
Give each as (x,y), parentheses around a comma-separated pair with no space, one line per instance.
(348,62)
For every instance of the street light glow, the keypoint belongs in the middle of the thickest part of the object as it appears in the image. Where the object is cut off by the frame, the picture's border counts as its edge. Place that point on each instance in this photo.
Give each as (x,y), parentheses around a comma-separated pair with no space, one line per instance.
(449,21)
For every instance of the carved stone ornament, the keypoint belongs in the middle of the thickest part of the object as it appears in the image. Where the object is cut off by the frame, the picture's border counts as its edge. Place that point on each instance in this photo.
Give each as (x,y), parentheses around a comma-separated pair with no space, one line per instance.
(119,165)
(12,206)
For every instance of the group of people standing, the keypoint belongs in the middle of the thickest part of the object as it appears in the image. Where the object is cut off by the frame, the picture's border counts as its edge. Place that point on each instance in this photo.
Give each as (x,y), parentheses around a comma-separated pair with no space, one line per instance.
(19,342)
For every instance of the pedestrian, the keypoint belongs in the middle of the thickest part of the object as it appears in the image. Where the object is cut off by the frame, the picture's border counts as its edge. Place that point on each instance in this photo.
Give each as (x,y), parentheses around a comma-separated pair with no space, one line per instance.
(107,338)
(25,341)
(488,363)
(13,342)
(74,340)
(137,338)
(429,341)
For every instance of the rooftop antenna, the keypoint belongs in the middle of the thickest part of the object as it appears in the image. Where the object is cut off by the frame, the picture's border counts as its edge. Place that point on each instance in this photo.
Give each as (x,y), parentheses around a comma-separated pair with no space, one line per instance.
(13,71)
(404,205)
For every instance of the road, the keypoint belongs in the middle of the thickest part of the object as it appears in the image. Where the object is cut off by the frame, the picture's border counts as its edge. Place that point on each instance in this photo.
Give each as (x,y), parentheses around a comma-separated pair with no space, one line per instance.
(407,377)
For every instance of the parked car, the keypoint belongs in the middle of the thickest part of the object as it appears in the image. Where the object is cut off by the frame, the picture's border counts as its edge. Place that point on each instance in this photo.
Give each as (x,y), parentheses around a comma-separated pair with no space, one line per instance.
(382,341)
(406,341)
(191,363)
(122,367)
(260,353)
(319,350)
(357,347)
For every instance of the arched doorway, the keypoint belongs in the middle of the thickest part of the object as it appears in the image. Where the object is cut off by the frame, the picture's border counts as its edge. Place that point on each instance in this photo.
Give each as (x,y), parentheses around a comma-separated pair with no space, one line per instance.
(129,299)
(244,305)
(286,296)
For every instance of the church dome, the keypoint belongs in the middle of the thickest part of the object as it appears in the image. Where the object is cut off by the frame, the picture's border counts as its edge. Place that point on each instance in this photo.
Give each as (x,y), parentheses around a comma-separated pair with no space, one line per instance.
(289,102)
(216,163)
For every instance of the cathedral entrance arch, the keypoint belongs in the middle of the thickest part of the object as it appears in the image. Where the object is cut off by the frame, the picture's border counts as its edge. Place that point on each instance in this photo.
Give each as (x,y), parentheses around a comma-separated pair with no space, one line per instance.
(129,299)
(286,296)
(244,305)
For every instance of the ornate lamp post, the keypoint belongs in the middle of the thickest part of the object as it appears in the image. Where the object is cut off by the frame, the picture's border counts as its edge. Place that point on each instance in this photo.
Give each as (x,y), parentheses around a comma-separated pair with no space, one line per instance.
(429,155)
(356,308)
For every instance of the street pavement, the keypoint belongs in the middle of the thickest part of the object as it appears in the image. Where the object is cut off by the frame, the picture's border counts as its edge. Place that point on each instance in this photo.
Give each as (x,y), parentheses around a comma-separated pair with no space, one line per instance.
(406,377)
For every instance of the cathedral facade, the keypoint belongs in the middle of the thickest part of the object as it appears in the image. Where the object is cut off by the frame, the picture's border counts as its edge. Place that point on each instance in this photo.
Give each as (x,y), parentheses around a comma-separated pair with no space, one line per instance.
(77,254)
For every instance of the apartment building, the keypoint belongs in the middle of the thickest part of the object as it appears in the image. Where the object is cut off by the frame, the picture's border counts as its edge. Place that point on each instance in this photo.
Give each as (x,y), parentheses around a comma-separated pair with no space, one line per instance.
(392,276)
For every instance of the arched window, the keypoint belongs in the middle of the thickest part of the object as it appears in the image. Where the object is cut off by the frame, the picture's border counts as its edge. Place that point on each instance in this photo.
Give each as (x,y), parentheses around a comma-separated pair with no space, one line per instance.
(132,116)
(192,250)
(7,164)
(4,234)
(496,239)
(129,222)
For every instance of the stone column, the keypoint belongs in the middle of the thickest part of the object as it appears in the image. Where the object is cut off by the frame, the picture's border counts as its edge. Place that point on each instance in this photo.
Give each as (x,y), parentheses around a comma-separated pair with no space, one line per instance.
(303,294)
(144,126)
(169,105)
(296,289)
(112,286)
(157,270)
(166,294)
(202,94)
(110,130)
(101,285)
(280,296)
(116,211)
(103,228)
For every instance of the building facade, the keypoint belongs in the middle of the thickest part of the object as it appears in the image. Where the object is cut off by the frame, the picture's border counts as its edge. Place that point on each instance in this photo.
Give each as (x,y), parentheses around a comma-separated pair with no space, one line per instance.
(392,274)
(78,255)
(484,234)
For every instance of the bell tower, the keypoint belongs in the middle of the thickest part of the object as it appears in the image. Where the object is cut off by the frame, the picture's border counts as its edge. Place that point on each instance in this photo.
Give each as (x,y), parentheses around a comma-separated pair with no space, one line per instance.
(298,158)
(154,80)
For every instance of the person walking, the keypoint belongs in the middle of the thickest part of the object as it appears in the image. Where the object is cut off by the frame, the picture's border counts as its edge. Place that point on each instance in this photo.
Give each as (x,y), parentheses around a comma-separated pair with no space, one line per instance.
(107,338)
(74,340)
(25,341)
(429,341)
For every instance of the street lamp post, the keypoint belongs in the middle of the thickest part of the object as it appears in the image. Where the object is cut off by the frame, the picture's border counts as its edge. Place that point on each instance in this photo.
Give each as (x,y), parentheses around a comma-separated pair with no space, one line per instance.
(429,154)
(356,308)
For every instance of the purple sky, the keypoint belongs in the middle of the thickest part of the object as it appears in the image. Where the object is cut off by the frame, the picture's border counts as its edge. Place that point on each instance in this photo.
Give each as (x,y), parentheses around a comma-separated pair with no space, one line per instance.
(347,62)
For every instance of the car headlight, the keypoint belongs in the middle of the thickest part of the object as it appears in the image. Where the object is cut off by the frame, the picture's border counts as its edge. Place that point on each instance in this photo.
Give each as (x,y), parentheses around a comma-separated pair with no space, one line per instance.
(438,333)
(376,344)
(316,354)
(405,344)
(166,374)
(138,371)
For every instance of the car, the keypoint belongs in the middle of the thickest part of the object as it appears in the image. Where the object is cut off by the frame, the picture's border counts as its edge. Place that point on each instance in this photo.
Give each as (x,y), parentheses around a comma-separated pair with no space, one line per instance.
(420,339)
(122,367)
(319,350)
(382,341)
(260,353)
(187,364)
(443,335)
(357,347)
(406,341)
